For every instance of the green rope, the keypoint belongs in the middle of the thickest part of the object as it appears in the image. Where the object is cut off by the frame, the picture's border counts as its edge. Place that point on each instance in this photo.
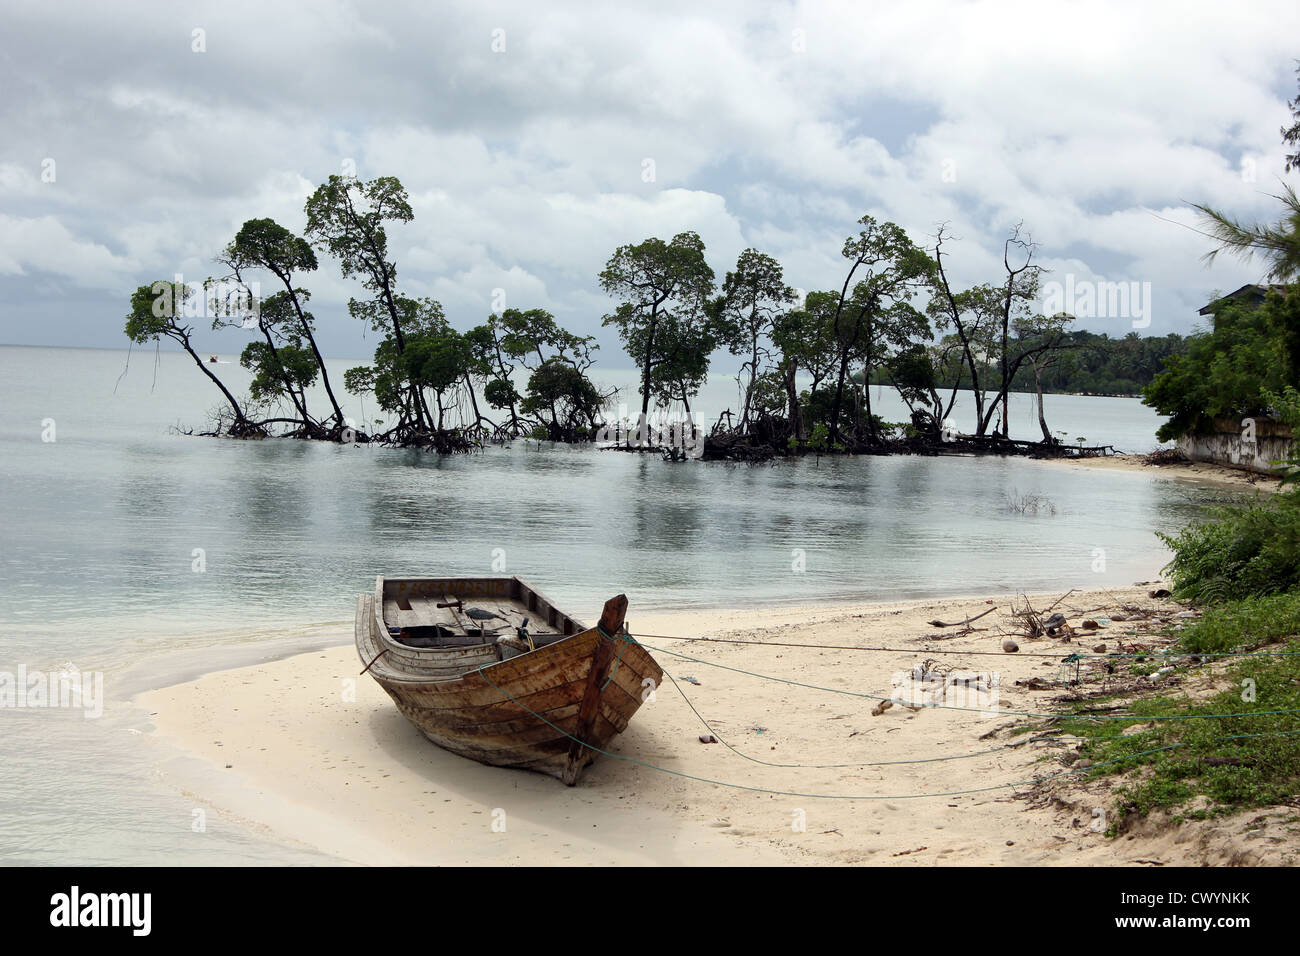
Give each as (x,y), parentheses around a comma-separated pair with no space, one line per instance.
(833,766)
(973,653)
(623,638)
(978,710)
(824,796)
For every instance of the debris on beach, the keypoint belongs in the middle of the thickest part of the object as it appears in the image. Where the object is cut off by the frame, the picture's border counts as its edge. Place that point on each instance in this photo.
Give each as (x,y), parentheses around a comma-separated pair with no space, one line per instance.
(908,852)
(927,671)
(1054,623)
(964,624)
(1035,683)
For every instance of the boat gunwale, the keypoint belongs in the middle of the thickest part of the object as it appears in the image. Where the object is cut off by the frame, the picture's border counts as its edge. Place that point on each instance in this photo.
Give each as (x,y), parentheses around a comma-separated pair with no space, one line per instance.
(392,670)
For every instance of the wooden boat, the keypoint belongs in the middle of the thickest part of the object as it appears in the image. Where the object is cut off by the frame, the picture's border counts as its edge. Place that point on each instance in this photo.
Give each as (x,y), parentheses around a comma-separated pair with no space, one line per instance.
(490,669)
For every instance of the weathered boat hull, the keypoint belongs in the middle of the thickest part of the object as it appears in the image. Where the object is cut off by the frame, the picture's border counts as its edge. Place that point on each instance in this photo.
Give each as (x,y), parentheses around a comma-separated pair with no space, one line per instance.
(552,709)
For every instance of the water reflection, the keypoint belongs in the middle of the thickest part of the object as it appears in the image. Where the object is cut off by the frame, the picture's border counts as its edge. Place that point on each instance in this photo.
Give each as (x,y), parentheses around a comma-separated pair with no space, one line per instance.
(101,530)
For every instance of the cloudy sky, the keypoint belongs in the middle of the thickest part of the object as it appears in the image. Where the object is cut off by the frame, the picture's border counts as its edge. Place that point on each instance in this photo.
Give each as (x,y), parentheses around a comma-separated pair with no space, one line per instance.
(535,138)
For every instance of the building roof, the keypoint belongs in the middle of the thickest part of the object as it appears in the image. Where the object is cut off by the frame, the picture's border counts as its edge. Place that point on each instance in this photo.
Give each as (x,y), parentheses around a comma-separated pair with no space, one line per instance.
(1250,291)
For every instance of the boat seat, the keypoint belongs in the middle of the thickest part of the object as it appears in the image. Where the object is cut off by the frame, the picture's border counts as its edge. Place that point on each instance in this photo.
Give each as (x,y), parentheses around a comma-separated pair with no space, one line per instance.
(437,635)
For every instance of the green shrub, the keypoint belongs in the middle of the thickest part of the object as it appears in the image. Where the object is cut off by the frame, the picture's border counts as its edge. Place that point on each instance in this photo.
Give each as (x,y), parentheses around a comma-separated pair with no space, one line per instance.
(1243,625)
(1241,552)
(1235,761)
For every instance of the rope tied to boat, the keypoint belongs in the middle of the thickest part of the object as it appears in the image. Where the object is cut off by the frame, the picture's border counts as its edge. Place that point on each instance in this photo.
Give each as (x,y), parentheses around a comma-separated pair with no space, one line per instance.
(968,652)
(1034,781)
(980,710)
(622,639)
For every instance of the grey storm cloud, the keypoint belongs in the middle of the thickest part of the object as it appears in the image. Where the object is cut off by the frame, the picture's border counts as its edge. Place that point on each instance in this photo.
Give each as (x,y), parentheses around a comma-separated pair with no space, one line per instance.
(533,139)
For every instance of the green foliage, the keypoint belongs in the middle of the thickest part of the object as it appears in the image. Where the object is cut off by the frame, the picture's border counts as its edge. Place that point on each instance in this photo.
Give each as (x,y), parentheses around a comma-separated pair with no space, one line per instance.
(1287,406)
(873,316)
(1230,370)
(288,360)
(383,379)
(346,217)
(913,373)
(527,337)
(768,396)
(436,357)
(156,312)
(1239,553)
(266,243)
(665,319)
(753,299)
(559,390)
(363,380)
(282,364)
(1277,243)
(501,393)
(1291,134)
(1235,762)
(436,360)
(273,371)
(818,406)
(1243,625)
(563,391)
(820,439)
(841,337)
(1096,364)
(806,336)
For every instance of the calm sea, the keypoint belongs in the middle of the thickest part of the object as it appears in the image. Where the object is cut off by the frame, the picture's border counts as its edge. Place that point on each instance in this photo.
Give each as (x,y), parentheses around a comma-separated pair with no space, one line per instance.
(132,550)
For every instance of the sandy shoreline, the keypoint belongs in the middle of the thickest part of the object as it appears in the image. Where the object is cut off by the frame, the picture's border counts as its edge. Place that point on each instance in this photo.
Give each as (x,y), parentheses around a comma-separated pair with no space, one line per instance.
(1199,472)
(309,752)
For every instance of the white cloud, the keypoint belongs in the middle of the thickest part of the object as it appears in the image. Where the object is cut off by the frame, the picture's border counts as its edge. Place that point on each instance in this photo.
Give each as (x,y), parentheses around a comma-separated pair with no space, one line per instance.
(45,245)
(1093,124)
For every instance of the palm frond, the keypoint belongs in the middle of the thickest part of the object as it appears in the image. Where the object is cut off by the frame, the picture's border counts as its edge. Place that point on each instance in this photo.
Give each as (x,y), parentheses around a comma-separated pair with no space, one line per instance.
(1278,243)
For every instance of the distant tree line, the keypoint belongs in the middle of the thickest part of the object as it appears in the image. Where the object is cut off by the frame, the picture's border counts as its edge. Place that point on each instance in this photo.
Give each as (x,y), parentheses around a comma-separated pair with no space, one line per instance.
(1091,363)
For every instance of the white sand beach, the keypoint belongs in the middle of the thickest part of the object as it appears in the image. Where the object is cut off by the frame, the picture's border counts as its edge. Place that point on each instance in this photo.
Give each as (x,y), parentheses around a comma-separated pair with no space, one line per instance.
(287,747)
(1194,471)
